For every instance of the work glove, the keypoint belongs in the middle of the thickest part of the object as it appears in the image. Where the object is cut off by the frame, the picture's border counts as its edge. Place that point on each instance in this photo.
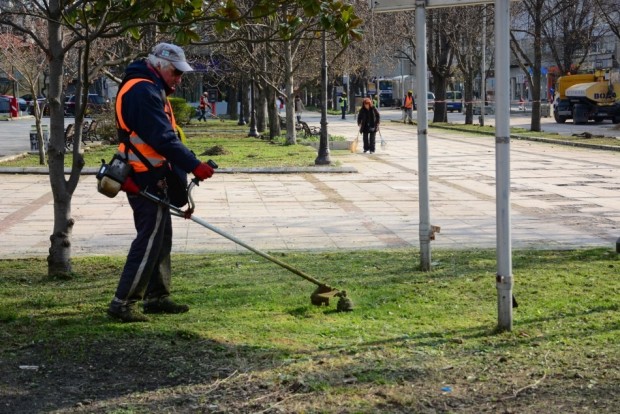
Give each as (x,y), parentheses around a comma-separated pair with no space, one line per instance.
(130,186)
(203,171)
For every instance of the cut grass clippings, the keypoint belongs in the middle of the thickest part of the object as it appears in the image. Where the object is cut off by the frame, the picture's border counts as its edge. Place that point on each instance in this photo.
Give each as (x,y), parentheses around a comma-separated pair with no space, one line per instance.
(252,342)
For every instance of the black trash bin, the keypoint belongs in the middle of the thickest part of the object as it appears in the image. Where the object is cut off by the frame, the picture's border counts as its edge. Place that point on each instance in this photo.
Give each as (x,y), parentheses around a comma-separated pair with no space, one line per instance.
(34,140)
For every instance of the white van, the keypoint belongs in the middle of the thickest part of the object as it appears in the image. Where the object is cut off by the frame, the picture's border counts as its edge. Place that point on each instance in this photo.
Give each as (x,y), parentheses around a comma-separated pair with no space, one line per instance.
(430,100)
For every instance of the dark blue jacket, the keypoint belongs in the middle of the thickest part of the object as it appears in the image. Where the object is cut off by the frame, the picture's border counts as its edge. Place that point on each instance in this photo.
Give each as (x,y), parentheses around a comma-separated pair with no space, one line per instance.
(143,112)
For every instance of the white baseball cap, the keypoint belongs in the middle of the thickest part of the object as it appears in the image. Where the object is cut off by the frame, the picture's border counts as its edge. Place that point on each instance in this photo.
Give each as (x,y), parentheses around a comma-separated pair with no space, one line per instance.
(173,54)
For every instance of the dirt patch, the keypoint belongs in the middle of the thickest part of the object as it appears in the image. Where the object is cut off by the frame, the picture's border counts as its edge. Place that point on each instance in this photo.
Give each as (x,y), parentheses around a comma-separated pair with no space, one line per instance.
(216,150)
(184,374)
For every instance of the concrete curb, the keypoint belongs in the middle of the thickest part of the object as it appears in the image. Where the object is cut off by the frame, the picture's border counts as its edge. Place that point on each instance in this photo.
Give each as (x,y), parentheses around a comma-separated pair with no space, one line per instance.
(249,170)
(529,138)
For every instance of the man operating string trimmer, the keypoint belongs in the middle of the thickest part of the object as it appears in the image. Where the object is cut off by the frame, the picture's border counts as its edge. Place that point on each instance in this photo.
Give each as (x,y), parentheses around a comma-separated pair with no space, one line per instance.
(159,164)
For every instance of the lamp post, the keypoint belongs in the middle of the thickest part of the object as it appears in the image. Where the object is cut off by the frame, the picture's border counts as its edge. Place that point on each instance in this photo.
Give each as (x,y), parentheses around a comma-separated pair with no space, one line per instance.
(323,155)
(483,80)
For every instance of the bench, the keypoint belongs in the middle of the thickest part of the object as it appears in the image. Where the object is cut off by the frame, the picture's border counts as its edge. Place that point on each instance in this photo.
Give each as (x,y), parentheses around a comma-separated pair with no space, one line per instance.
(69,135)
(309,131)
(298,126)
(89,131)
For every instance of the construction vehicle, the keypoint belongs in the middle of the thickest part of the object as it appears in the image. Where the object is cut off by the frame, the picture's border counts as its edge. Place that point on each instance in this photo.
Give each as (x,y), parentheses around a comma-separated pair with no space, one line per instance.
(586,97)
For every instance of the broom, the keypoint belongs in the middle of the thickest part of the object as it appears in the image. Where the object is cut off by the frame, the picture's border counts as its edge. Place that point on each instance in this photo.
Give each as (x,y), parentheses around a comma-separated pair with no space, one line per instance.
(354,143)
(383,142)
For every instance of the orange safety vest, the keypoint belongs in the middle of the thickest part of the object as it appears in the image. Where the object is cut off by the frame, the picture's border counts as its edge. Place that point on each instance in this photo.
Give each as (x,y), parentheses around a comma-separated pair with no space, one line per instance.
(156,159)
(409,102)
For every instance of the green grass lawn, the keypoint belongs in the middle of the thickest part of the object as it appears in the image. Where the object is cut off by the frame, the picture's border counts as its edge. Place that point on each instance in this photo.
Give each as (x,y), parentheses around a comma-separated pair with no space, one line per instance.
(229,140)
(522,132)
(415,342)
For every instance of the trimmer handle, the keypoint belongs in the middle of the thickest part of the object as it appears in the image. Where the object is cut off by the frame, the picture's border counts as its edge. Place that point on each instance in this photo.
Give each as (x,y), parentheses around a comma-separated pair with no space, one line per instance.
(192,183)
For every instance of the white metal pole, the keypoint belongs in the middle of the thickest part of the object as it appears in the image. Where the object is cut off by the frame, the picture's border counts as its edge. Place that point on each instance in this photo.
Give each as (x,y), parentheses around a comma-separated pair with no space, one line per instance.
(504,280)
(425,221)
(483,80)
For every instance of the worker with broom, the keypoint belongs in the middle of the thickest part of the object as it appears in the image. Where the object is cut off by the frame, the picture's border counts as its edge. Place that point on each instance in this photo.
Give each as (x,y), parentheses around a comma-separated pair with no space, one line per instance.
(159,164)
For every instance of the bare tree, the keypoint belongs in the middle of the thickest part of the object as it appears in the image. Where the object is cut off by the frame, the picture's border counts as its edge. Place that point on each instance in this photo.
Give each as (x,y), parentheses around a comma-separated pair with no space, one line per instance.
(441,57)
(71,25)
(31,62)
(569,32)
(610,10)
(464,36)
(566,27)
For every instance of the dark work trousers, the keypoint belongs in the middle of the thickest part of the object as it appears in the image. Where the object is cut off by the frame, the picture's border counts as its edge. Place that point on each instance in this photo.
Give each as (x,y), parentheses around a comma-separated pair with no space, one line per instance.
(147,269)
(344,111)
(369,141)
(202,114)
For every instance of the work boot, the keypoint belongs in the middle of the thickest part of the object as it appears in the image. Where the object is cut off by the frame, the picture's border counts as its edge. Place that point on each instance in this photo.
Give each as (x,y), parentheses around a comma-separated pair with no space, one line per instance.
(126,313)
(164,305)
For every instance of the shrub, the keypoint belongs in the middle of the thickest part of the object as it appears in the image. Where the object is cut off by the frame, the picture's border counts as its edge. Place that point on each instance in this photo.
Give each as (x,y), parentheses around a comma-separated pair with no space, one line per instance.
(183,111)
(106,128)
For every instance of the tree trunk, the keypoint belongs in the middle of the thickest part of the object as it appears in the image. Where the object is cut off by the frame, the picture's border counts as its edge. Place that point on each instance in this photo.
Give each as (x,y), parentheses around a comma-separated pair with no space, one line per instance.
(535,121)
(274,118)
(291,137)
(261,123)
(231,98)
(59,259)
(535,84)
(469,98)
(245,100)
(440,113)
(37,120)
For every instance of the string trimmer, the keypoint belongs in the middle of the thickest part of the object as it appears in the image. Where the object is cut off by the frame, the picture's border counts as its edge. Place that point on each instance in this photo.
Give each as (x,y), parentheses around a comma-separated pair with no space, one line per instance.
(321,294)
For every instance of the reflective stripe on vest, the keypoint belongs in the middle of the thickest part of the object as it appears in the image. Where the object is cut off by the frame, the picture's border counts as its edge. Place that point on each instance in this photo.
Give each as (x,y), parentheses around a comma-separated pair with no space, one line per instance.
(156,159)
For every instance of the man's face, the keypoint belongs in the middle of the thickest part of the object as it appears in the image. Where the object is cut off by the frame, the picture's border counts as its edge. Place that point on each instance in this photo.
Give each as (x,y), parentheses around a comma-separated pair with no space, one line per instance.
(172,76)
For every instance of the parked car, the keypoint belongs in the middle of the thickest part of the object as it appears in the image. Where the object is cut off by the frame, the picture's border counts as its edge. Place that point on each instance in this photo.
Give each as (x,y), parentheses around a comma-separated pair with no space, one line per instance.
(5,106)
(23,105)
(454,101)
(30,102)
(96,104)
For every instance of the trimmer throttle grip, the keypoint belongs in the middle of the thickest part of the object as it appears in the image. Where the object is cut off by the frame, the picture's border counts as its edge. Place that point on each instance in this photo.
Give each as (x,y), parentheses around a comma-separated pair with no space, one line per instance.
(211,164)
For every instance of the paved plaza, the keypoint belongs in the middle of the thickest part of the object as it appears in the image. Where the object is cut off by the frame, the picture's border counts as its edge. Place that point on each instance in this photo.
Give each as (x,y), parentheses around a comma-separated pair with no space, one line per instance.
(561,197)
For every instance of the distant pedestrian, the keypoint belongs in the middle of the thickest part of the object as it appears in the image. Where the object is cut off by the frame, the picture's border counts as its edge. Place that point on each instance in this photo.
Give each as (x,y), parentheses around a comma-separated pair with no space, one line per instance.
(202,106)
(299,108)
(368,122)
(408,107)
(344,103)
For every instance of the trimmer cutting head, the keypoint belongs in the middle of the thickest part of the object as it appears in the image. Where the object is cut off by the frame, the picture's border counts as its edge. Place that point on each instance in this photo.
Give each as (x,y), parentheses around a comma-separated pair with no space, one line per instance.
(323,293)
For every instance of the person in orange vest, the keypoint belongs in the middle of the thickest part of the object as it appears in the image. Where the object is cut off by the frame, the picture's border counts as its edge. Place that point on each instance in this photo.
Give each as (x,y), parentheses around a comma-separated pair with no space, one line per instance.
(408,107)
(202,106)
(159,164)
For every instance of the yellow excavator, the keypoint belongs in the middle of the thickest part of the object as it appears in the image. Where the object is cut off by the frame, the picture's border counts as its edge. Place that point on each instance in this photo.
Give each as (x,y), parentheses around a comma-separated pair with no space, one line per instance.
(586,97)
